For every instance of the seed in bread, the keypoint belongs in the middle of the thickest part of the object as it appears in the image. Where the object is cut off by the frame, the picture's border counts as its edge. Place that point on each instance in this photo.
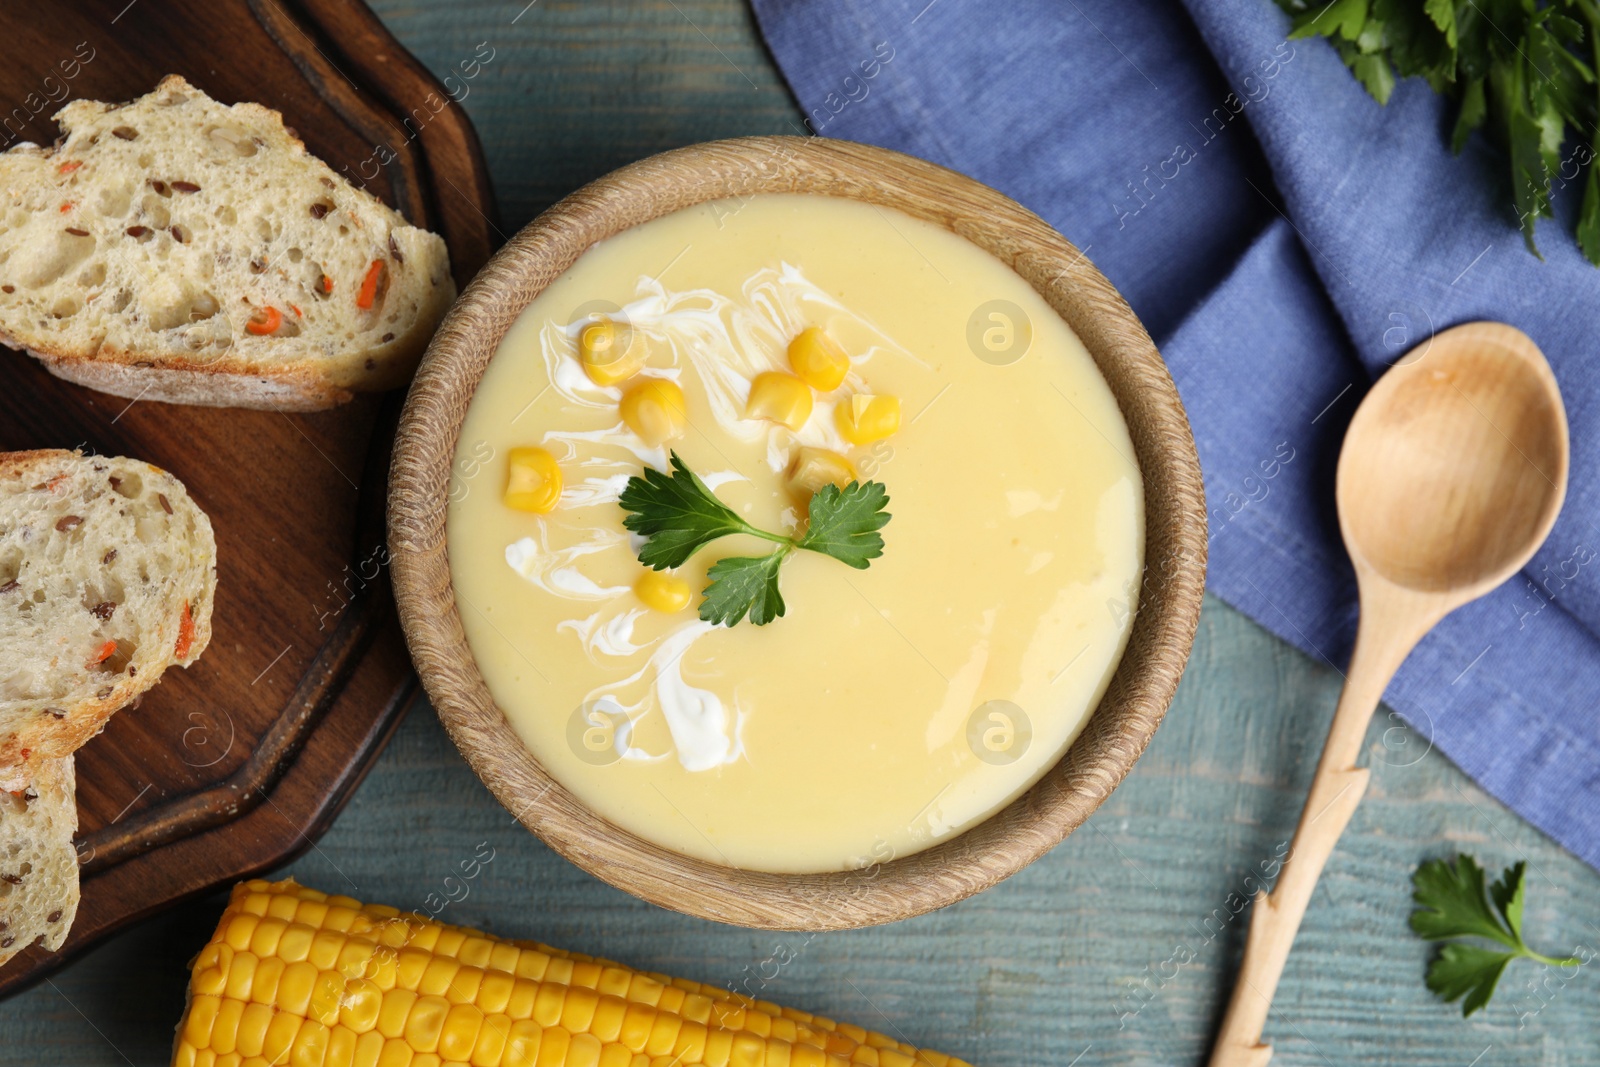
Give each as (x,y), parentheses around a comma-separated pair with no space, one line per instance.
(177,249)
(38,865)
(107,576)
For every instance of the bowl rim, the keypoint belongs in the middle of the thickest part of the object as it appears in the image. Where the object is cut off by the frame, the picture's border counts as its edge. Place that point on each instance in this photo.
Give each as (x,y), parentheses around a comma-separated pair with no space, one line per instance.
(1117,730)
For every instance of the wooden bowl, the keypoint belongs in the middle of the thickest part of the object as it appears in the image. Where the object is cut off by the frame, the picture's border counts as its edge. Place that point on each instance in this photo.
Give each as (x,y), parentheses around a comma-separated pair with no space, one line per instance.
(1116,733)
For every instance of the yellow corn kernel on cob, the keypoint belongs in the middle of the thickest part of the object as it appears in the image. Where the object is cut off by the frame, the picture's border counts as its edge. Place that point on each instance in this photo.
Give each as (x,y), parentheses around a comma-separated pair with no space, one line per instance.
(298,978)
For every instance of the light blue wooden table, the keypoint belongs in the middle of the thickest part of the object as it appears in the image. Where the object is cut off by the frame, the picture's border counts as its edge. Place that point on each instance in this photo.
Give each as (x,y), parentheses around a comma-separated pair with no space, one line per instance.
(1077,960)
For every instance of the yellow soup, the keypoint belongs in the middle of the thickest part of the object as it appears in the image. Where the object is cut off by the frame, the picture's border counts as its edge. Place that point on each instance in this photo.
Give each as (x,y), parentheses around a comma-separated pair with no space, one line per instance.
(889,707)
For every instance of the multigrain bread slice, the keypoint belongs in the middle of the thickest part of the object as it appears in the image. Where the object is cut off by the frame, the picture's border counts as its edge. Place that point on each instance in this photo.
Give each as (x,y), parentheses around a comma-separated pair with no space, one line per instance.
(38,864)
(107,577)
(177,249)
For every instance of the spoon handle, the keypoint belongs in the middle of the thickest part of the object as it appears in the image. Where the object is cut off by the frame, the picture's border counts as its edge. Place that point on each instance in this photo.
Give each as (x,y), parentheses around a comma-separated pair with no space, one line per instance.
(1382,642)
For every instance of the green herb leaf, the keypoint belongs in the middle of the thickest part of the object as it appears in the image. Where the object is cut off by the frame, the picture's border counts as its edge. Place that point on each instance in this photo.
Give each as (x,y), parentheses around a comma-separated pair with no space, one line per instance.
(1443,14)
(1467,970)
(1474,108)
(742,584)
(1344,17)
(1374,72)
(1521,71)
(678,515)
(1589,218)
(845,523)
(1453,903)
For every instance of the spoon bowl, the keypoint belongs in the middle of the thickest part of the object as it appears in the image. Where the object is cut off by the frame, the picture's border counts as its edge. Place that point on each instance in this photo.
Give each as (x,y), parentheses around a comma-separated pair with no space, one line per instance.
(1455,465)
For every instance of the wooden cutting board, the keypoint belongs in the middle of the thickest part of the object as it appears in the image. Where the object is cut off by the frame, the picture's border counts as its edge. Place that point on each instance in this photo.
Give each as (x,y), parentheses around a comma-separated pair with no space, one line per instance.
(237,764)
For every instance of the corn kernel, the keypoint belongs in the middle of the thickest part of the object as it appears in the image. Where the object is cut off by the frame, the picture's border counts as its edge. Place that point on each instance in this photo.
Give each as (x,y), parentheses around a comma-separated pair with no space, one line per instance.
(522,1047)
(585,973)
(814,468)
(281,1031)
(583,1051)
(614,981)
(663,1034)
(818,359)
(495,991)
(464,986)
(310,1045)
(611,352)
(341,1046)
(240,927)
(325,997)
(553,1047)
(607,1021)
(532,965)
(661,591)
(504,958)
(202,1018)
(533,480)
(748,1051)
(577,1013)
(491,1044)
(295,944)
(520,1006)
(369,1047)
(395,1054)
(358,1008)
(397,1005)
(547,1004)
(225,1035)
(779,397)
(425,1022)
(655,410)
(475,952)
(295,990)
(864,418)
(240,976)
(637,1024)
(325,948)
(459,1036)
(355,958)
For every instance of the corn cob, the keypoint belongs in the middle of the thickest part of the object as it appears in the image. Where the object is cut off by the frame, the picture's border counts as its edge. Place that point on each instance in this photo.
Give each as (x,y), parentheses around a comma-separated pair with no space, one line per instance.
(298,978)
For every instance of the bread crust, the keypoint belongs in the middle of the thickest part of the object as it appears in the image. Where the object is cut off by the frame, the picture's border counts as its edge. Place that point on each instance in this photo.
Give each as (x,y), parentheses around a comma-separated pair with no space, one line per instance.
(57,729)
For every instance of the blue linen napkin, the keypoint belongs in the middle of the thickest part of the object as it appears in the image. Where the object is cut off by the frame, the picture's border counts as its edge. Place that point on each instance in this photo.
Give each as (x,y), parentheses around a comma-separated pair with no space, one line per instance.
(1284,238)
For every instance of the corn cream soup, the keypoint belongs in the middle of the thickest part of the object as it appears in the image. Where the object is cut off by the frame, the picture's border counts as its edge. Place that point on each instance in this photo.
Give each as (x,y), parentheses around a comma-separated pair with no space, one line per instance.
(774,345)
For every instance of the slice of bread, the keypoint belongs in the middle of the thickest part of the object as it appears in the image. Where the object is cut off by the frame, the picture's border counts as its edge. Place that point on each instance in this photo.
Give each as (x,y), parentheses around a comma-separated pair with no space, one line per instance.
(38,865)
(176,249)
(108,571)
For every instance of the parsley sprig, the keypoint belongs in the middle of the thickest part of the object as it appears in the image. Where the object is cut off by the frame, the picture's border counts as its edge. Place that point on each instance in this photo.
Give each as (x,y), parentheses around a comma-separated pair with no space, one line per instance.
(1453,904)
(678,515)
(1523,72)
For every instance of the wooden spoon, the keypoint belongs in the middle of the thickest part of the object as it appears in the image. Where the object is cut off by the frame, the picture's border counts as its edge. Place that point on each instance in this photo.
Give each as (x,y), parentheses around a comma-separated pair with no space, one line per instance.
(1450,477)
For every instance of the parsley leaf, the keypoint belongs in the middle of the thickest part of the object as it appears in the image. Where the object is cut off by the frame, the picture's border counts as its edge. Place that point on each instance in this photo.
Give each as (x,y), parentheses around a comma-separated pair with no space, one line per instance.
(679,515)
(744,583)
(1453,904)
(1522,72)
(845,523)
